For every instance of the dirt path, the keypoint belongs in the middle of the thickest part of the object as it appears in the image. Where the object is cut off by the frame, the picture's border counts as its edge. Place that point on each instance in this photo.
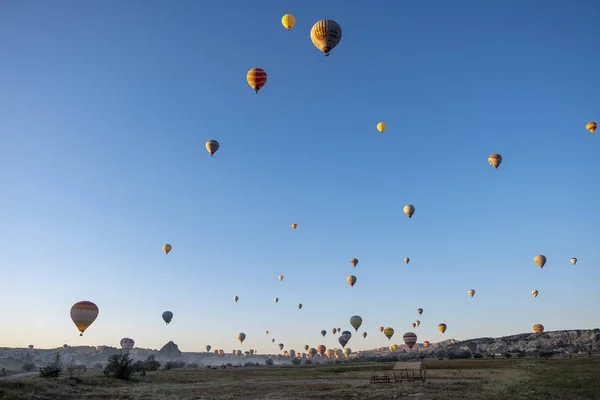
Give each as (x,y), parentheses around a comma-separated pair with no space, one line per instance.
(18,376)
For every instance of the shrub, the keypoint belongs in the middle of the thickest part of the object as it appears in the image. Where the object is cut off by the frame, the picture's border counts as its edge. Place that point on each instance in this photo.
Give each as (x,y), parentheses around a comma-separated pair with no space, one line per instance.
(307,361)
(174,364)
(151,364)
(507,355)
(28,366)
(477,355)
(296,361)
(192,365)
(119,366)
(98,366)
(337,362)
(269,361)
(53,369)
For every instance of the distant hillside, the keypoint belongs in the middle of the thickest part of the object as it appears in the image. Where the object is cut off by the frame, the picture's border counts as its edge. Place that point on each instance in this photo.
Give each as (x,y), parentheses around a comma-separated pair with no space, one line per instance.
(567,342)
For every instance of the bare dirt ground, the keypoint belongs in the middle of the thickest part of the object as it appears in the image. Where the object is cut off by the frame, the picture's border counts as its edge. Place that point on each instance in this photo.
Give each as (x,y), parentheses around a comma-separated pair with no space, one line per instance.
(573,379)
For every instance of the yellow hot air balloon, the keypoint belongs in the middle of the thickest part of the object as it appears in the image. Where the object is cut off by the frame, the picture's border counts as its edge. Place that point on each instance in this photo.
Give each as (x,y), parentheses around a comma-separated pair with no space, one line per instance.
(294,226)
(241,337)
(325,35)
(418,323)
(538,328)
(442,328)
(406,260)
(471,292)
(381,127)
(356,322)
(591,126)
(167,248)
(534,293)
(288,21)
(426,344)
(276,299)
(354,262)
(420,311)
(393,347)
(573,261)
(388,332)
(495,160)
(256,77)
(280,277)
(409,210)
(540,260)
(235,298)
(212,146)
(351,280)
(83,314)
(381,329)
(299,306)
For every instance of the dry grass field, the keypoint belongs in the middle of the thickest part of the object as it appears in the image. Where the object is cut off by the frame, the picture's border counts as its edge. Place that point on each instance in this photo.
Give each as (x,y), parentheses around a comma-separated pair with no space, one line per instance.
(572,379)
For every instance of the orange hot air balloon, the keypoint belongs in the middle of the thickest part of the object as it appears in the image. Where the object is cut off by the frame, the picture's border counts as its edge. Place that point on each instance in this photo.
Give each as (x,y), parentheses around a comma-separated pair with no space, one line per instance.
(351,280)
(256,77)
(591,126)
(321,349)
(83,314)
(442,328)
(426,344)
(294,226)
(538,328)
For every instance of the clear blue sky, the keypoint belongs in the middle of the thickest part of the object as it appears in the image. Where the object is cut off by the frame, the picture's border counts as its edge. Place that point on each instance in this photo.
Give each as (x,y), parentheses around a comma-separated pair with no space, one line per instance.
(105,107)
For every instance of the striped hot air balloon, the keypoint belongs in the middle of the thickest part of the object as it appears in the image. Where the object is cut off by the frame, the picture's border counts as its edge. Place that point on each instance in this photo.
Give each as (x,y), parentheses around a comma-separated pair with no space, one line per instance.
(538,328)
(325,35)
(256,77)
(426,344)
(83,314)
(127,343)
(321,349)
(410,339)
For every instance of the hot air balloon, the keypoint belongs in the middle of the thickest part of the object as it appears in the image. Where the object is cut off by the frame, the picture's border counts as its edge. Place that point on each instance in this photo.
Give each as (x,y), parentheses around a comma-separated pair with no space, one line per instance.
(306,347)
(325,35)
(356,322)
(280,345)
(241,337)
(65,346)
(256,77)
(381,329)
(167,316)
(414,324)
(167,248)
(409,210)
(388,332)
(280,278)
(418,323)
(351,280)
(339,329)
(208,347)
(299,306)
(364,335)
(534,293)
(354,262)
(83,314)
(471,292)
(540,260)
(495,160)
(420,311)
(410,339)
(406,260)
(347,335)
(276,299)
(394,347)
(288,21)
(212,146)
(235,298)
(321,349)
(272,340)
(426,344)
(323,333)
(329,353)
(381,127)
(267,332)
(333,330)
(538,328)
(30,347)
(127,343)
(312,351)
(573,261)
(591,126)
(294,226)
(292,353)
(452,341)
(342,341)
(347,352)
(442,328)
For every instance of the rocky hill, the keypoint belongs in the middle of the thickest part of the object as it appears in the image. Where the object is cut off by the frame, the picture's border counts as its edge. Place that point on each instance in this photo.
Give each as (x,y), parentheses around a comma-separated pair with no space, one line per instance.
(531,344)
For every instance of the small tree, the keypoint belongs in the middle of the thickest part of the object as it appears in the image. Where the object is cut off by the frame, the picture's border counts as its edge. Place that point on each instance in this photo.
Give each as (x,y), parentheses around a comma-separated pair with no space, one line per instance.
(151,364)
(269,361)
(477,355)
(307,361)
(507,355)
(53,369)
(119,366)
(192,365)
(296,361)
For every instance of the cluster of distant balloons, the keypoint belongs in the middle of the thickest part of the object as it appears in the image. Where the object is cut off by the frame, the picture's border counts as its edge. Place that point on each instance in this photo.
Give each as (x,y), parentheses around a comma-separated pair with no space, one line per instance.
(325,35)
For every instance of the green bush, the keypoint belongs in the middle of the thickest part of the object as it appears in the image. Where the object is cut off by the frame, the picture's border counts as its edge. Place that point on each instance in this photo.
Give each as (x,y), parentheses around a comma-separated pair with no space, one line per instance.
(478,355)
(119,366)
(296,361)
(53,369)
(192,365)
(507,355)
(269,361)
(307,361)
(28,366)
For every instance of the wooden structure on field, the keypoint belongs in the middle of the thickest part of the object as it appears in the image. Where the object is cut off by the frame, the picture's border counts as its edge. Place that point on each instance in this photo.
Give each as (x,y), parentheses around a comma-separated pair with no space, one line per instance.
(409,371)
